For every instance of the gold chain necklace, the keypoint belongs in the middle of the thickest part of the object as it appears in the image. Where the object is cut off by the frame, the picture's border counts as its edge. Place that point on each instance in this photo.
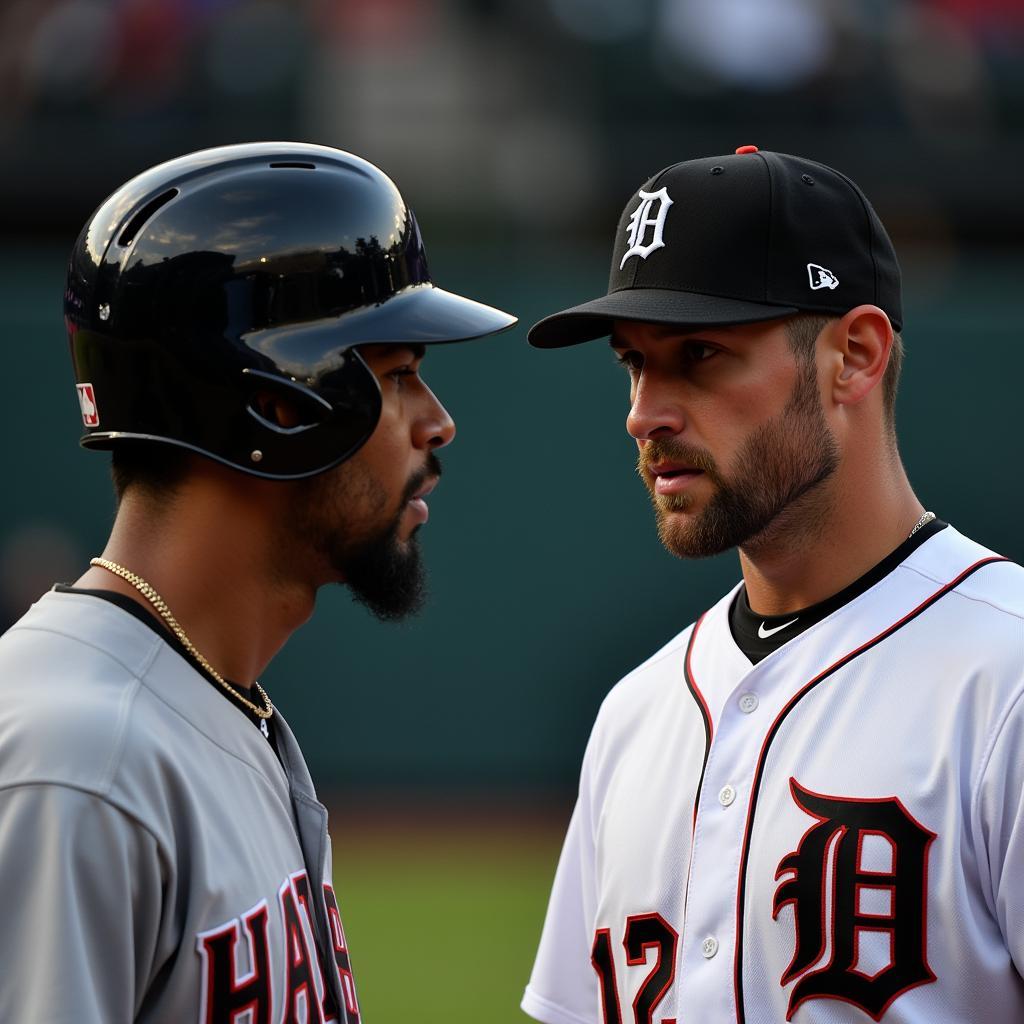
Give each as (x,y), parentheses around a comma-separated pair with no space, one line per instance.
(147,591)
(923,521)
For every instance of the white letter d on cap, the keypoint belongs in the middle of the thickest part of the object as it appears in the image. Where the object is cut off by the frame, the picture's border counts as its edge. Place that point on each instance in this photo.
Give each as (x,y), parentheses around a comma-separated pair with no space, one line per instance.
(641,220)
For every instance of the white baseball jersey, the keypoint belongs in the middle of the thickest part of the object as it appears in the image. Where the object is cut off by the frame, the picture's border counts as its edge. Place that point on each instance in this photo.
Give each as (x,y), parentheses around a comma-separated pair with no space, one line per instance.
(835,834)
(158,862)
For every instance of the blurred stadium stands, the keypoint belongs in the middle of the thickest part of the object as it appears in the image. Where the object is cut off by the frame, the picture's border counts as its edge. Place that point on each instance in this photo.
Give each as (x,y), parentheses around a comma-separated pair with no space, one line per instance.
(517,131)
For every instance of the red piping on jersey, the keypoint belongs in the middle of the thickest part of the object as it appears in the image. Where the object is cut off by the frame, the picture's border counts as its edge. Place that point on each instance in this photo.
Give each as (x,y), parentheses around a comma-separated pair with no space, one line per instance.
(709,730)
(709,726)
(762,758)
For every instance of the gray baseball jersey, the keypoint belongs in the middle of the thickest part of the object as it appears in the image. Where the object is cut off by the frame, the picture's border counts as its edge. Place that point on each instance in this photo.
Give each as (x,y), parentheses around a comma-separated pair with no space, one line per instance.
(158,862)
(834,834)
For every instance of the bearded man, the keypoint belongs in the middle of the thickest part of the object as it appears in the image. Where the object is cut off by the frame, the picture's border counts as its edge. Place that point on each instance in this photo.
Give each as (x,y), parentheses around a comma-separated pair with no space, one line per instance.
(809,805)
(247,327)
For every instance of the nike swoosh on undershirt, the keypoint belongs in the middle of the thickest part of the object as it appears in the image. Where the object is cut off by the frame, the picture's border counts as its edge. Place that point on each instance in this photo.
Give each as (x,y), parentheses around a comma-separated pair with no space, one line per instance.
(765,633)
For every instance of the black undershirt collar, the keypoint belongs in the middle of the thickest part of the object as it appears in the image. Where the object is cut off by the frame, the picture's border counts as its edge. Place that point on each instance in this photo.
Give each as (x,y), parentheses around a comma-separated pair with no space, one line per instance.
(758,635)
(149,619)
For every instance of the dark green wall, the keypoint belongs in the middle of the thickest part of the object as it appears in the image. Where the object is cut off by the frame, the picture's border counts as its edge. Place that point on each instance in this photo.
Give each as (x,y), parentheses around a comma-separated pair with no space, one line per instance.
(547,578)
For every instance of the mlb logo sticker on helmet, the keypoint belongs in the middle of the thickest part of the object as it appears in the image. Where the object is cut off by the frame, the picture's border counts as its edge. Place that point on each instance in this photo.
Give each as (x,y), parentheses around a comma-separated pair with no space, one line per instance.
(87,400)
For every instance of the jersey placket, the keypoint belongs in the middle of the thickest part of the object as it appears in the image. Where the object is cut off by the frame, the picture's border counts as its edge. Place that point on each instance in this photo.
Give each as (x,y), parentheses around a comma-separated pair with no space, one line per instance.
(742,707)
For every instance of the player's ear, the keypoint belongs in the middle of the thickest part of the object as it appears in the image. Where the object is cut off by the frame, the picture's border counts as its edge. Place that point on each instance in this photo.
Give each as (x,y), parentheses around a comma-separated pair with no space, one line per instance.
(863,340)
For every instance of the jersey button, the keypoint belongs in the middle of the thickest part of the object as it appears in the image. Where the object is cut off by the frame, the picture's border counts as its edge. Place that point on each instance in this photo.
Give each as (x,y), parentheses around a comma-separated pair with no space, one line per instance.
(709,947)
(726,795)
(748,703)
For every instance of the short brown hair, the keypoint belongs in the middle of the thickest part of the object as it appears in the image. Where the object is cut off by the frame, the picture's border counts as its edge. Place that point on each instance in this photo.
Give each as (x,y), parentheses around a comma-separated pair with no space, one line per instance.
(804,328)
(157,469)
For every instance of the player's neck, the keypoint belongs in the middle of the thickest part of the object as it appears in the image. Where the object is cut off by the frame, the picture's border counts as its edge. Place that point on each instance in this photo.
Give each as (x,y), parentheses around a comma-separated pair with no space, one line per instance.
(208,564)
(831,540)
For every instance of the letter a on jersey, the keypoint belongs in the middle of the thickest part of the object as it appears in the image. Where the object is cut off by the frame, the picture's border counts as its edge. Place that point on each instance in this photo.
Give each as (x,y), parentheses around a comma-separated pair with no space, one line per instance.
(642,219)
(857,884)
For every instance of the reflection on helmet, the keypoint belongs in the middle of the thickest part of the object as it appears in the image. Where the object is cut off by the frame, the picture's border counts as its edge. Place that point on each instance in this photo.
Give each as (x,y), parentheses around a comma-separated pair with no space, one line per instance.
(243,270)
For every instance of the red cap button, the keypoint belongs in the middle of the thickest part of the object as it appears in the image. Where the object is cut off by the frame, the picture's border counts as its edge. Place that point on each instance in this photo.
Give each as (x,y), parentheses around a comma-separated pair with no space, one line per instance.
(747,149)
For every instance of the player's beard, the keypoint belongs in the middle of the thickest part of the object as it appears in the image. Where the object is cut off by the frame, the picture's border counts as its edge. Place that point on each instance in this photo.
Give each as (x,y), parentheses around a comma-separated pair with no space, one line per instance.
(341,521)
(779,463)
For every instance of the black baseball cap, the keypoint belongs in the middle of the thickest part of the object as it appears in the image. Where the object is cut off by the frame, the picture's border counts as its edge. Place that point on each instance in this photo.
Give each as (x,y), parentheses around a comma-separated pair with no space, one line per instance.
(734,240)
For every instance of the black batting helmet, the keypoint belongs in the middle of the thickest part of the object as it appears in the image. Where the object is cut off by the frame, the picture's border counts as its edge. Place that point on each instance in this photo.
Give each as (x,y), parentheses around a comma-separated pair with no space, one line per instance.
(237,271)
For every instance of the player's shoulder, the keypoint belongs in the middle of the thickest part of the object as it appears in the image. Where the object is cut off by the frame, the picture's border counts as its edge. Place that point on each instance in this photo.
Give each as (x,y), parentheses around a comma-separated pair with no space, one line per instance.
(665,668)
(975,575)
(642,692)
(656,670)
(62,632)
(69,676)
(91,697)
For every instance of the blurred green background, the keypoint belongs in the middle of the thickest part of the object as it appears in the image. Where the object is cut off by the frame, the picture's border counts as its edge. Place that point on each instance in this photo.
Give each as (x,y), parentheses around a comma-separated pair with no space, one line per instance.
(547,579)
(448,747)
(443,912)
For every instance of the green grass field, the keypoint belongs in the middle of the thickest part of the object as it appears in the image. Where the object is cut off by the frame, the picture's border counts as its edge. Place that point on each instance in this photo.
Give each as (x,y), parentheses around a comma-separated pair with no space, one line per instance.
(443,918)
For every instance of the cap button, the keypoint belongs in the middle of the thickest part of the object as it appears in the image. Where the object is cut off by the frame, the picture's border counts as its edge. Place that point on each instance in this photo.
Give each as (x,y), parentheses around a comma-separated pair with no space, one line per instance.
(746,149)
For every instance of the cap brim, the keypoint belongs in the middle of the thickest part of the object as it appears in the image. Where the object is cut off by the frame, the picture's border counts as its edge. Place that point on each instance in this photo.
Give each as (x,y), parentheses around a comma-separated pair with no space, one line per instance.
(651,305)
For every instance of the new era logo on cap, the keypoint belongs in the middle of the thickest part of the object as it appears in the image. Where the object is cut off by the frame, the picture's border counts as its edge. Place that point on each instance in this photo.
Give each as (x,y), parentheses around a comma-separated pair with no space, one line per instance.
(821,277)
(87,400)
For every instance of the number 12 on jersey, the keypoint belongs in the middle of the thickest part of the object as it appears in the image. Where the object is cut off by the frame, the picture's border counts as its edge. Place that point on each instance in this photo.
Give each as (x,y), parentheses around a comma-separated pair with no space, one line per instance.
(643,932)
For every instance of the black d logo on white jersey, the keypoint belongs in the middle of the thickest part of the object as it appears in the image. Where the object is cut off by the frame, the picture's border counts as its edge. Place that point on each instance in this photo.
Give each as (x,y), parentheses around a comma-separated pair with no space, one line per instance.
(857,886)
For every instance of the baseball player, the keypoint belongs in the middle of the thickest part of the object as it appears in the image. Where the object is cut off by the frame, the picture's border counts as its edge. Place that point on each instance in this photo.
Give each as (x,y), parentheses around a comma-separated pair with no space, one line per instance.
(807,806)
(247,326)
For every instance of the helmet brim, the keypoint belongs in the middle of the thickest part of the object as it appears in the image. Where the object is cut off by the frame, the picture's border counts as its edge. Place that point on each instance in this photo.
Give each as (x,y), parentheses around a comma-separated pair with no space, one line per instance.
(418,315)
(423,314)
(594,319)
